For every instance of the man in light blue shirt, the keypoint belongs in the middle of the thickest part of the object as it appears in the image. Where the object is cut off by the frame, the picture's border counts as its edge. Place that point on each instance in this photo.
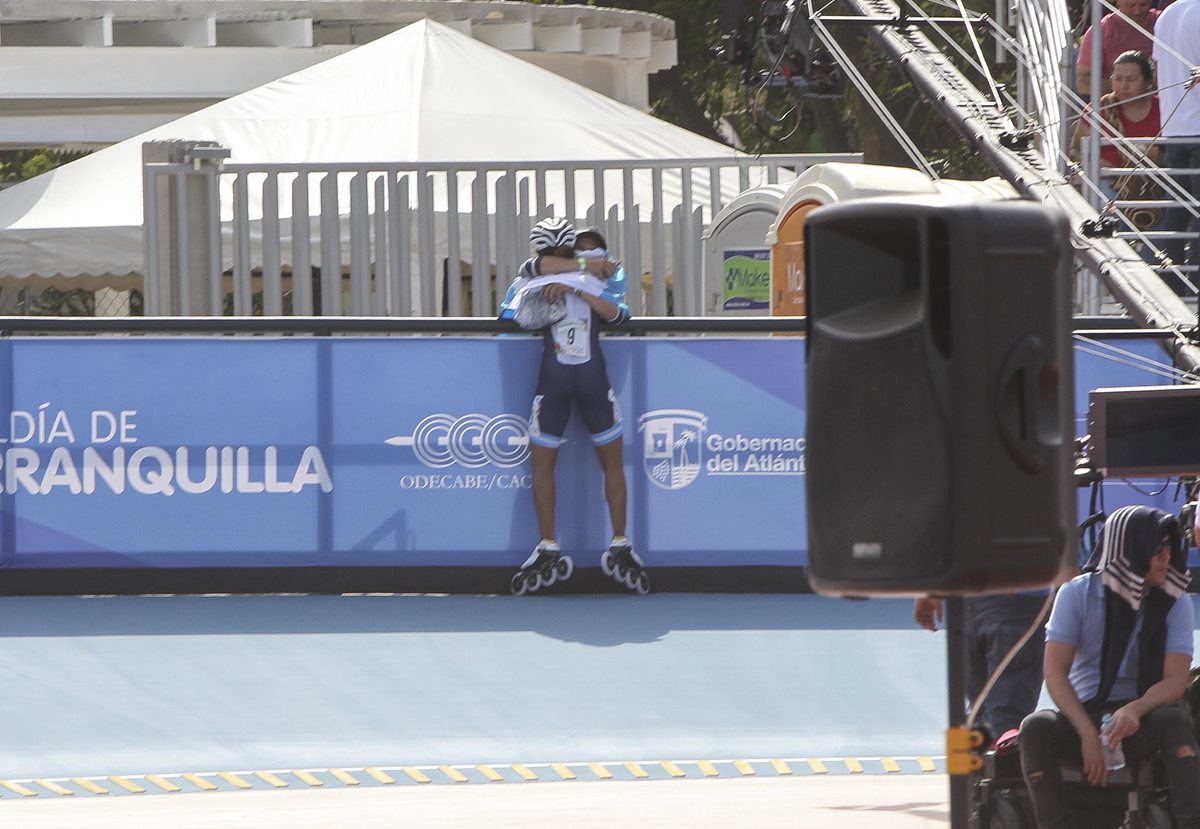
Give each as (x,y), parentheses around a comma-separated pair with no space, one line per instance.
(1119,641)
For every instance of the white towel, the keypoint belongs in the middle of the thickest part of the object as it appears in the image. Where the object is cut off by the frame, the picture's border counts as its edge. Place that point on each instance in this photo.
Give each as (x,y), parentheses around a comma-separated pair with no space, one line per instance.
(532,313)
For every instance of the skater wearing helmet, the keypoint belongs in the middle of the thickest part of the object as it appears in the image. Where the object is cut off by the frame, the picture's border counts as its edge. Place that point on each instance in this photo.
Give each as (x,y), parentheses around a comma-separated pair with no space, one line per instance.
(568,294)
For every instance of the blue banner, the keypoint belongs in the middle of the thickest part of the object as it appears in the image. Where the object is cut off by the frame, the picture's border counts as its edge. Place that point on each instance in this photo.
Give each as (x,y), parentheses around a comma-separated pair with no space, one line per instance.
(226,452)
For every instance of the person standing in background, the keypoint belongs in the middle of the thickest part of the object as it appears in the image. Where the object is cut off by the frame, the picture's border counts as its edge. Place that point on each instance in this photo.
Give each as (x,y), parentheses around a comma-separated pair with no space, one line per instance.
(1130,28)
(1177,57)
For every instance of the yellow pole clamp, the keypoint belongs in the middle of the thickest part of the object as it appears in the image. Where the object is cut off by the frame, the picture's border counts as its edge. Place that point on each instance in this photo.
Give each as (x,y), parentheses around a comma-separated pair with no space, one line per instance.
(964,750)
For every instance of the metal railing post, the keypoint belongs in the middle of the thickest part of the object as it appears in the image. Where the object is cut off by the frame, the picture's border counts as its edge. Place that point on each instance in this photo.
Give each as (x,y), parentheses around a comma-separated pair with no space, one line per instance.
(179,205)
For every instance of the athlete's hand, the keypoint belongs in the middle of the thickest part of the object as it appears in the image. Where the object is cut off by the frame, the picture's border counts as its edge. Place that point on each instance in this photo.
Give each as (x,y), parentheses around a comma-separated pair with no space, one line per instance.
(555,291)
(1125,721)
(1094,767)
(927,612)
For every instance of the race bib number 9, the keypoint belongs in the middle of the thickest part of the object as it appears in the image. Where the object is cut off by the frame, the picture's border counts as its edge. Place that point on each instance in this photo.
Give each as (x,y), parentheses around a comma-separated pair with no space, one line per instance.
(571,341)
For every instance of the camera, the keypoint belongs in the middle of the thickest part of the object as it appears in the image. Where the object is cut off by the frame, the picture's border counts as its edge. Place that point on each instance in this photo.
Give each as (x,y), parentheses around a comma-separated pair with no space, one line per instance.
(731,49)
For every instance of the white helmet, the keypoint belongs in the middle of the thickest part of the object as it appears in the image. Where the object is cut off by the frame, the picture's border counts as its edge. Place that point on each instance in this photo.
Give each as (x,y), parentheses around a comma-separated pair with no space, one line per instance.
(552,233)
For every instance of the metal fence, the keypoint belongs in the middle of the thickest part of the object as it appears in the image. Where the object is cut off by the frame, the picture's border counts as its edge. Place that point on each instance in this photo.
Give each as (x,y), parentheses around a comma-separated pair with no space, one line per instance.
(1142,191)
(422,239)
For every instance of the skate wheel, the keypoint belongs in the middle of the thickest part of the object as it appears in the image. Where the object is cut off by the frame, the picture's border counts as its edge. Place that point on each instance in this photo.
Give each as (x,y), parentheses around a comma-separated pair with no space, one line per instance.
(517,585)
(642,585)
(549,576)
(607,563)
(565,567)
(533,581)
(618,571)
(629,579)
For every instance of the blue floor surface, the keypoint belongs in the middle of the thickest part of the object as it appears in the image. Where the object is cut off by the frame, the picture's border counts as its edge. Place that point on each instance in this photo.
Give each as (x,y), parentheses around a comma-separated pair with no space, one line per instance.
(128,685)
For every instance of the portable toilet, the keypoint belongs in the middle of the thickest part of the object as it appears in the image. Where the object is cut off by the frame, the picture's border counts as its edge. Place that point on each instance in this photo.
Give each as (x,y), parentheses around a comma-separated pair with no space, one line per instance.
(735,258)
(819,185)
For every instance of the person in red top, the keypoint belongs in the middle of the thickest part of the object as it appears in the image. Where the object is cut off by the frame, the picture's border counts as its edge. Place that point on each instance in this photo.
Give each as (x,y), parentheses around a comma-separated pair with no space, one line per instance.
(1118,35)
(1131,110)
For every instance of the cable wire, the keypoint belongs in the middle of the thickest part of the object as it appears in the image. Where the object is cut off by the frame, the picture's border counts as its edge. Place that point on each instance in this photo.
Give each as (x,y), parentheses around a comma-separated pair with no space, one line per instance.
(1008,657)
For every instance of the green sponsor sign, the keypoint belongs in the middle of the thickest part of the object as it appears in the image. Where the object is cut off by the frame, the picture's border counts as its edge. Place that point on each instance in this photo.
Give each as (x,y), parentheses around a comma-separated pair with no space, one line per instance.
(746,281)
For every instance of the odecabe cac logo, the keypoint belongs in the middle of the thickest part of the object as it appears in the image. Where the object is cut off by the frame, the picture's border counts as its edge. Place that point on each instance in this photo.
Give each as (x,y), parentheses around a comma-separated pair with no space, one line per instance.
(471,440)
(672,440)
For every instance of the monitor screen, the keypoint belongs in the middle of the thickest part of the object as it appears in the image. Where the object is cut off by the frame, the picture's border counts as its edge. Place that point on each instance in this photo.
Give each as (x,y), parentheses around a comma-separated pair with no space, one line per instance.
(1149,431)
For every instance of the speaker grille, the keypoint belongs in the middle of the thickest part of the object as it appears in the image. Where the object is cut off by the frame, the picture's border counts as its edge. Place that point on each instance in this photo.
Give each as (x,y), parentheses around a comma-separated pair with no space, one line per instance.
(856,447)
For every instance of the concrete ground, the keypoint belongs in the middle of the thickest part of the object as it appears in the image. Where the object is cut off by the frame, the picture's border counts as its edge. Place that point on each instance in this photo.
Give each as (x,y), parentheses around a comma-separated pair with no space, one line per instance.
(858,802)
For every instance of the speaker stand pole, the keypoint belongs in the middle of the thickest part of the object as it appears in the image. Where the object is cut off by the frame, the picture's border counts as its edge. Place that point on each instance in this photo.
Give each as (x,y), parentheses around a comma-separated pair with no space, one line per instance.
(956,685)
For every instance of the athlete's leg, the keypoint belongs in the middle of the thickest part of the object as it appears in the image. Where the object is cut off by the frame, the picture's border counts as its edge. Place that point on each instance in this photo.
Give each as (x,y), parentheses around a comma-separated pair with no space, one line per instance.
(543,488)
(612,462)
(547,423)
(602,416)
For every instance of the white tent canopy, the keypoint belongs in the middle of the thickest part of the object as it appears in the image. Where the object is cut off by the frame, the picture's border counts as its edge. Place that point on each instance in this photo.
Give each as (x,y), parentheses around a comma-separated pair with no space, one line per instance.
(424,93)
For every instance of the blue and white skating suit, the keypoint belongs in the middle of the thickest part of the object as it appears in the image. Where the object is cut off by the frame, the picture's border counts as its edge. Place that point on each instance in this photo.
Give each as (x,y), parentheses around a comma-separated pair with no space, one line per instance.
(573,365)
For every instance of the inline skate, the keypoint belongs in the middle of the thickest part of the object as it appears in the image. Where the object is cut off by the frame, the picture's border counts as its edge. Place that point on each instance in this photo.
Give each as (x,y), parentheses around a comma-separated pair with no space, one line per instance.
(620,563)
(545,566)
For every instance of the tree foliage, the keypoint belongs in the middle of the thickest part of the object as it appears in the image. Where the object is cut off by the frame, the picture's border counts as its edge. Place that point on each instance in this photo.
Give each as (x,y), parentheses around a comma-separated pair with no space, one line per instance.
(703,95)
(20,165)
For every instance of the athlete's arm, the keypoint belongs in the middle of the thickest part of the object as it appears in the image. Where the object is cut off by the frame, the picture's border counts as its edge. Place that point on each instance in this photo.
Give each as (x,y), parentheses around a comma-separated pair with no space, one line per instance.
(560,264)
(609,311)
(1176,664)
(614,295)
(527,271)
(1056,666)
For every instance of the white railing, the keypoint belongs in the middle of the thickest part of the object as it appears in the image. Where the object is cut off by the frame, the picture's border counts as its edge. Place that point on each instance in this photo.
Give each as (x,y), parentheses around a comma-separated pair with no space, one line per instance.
(424,239)
(1097,186)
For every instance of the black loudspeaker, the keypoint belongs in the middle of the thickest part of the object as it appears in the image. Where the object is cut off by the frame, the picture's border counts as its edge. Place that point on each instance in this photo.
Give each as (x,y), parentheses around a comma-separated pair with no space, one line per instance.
(940,397)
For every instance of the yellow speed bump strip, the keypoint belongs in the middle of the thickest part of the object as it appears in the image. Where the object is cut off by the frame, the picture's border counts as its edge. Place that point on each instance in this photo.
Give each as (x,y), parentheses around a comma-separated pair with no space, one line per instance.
(526,772)
(307,778)
(672,769)
(128,785)
(600,771)
(54,788)
(162,783)
(199,782)
(89,786)
(271,779)
(346,778)
(490,773)
(23,791)
(454,774)
(230,778)
(380,776)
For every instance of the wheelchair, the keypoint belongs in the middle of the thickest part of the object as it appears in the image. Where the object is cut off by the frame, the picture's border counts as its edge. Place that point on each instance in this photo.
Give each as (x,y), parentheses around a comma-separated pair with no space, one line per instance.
(1136,796)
